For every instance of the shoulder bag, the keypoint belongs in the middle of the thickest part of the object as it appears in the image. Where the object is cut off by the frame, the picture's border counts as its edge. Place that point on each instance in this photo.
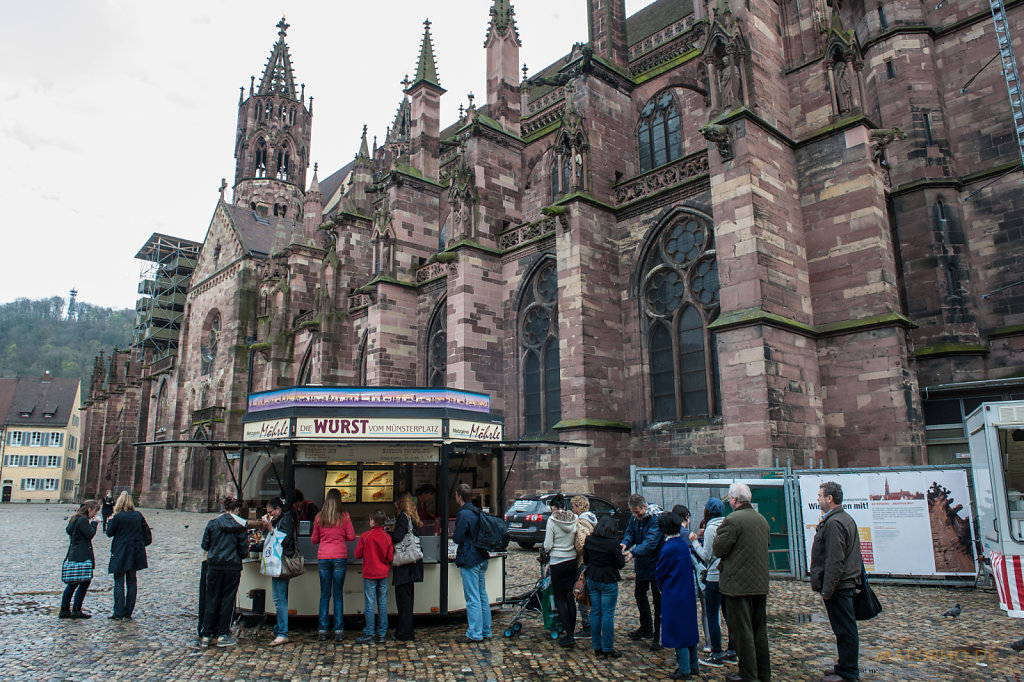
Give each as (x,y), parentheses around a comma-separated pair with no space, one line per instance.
(408,550)
(147,532)
(865,604)
(75,571)
(580,589)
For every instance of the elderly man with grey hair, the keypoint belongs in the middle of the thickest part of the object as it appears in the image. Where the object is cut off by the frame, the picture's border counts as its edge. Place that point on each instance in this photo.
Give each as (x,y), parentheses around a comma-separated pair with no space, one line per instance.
(742,544)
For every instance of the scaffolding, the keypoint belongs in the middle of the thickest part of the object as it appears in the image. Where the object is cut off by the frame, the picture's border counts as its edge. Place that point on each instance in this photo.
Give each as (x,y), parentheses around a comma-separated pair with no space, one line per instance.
(164,279)
(1010,72)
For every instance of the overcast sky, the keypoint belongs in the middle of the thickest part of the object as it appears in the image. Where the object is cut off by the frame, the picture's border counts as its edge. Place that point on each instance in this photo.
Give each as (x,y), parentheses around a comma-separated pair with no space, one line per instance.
(120,114)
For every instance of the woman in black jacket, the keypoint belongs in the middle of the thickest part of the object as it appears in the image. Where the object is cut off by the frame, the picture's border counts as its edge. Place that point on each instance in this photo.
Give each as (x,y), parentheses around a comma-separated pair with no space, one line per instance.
(226,544)
(603,558)
(81,529)
(277,519)
(127,527)
(405,577)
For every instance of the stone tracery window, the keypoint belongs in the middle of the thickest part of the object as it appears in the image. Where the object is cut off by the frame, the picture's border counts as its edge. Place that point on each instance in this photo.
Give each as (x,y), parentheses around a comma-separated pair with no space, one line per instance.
(659,135)
(208,344)
(678,299)
(437,347)
(538,347)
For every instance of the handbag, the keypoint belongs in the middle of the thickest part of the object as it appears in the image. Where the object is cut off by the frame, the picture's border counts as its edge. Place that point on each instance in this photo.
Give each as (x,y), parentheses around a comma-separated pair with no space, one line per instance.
(865,604)
(408,550)
(147,533)
(580,589)
(75,571)
(293,566)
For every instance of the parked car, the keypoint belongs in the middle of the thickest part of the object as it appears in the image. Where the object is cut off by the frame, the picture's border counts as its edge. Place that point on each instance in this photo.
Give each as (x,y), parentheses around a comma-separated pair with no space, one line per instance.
(527,518)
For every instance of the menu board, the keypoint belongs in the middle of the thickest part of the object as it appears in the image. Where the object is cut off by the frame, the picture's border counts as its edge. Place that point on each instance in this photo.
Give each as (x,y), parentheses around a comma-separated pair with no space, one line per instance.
(342,480)
(378,485)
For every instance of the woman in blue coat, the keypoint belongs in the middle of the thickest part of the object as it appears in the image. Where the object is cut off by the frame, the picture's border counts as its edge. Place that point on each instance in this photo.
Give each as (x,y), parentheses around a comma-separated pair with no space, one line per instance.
(127,527)
(678,597)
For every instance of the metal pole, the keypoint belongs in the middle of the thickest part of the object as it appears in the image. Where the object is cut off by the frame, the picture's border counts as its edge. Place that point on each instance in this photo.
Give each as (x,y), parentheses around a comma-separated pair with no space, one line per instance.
(443,543)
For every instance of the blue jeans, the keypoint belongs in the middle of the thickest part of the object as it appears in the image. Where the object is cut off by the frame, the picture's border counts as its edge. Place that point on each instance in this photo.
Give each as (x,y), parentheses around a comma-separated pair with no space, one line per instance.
(686,659)
(478,604)
(279,588)
(332,579)
(713,602)
(375,594)
(603,597)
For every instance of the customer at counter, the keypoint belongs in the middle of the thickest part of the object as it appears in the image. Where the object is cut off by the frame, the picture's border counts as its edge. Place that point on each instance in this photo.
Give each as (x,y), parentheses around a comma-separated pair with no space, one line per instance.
(332,530)
(375,549)
(472,563)
(405,576)
(278,518)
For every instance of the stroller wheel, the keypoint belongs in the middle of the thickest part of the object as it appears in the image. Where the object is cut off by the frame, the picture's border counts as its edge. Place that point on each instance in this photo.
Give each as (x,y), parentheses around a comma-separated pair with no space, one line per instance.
(517,627)
(508,633)
(555,634)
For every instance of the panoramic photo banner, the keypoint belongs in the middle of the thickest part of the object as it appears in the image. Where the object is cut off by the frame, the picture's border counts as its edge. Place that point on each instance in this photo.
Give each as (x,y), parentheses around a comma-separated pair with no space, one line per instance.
(910,522)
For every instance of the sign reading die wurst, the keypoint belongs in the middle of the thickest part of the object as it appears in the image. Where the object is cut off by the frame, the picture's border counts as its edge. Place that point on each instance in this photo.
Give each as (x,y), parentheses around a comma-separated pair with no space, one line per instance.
(367,428)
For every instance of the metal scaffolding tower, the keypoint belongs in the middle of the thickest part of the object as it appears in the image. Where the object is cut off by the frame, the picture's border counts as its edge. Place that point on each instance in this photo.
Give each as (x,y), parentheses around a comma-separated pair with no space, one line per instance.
(1009,62)
(163,286)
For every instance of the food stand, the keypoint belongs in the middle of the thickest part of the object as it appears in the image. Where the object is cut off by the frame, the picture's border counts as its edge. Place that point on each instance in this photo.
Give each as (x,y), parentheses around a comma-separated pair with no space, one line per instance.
(371,444)
(996,438)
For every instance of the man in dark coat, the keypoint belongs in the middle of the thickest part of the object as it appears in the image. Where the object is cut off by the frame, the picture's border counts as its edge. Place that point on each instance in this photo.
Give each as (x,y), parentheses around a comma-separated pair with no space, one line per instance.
(836,574)
(742,543)
(643,541)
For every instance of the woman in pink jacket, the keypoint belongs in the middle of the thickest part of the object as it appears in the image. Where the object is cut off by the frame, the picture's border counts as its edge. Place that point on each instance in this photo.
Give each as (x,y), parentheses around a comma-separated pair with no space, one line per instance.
(332,530)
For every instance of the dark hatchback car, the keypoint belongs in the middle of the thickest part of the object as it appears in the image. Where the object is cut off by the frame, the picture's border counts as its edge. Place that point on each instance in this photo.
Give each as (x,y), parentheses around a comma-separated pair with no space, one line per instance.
(527,518)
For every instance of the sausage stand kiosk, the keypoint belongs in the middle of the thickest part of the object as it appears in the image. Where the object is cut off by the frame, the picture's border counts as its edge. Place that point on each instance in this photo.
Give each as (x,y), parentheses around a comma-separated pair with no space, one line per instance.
(371,444)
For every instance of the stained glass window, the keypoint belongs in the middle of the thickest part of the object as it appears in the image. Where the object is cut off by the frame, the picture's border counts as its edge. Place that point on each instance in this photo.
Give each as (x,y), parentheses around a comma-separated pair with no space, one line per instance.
(659,134)
(538,342)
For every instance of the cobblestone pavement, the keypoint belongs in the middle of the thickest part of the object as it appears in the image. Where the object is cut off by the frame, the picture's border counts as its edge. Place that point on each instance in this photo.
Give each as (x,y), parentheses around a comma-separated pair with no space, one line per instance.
(909,641)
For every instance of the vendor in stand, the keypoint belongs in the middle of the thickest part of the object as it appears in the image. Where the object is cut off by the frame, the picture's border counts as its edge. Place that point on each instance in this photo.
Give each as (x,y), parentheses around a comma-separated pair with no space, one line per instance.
(425,497)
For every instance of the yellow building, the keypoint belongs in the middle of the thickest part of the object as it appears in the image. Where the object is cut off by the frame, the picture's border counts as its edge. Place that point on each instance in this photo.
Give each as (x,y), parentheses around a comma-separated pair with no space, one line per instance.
(41,437)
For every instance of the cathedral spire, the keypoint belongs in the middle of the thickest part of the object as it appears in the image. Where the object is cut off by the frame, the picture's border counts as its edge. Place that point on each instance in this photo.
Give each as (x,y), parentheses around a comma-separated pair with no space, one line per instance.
(426,71)
(364,150)
(278,78)
(502,19)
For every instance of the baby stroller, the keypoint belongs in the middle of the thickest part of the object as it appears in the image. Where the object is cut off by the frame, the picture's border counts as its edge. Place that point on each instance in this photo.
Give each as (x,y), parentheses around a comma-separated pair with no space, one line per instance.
(540,599)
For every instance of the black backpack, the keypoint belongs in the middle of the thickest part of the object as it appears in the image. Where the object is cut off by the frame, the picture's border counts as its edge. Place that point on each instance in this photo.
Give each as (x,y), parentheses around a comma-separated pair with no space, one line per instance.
(491,533)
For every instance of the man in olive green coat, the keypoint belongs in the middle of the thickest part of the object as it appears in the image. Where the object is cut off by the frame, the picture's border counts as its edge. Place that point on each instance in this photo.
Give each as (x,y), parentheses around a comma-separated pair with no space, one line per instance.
(742,543)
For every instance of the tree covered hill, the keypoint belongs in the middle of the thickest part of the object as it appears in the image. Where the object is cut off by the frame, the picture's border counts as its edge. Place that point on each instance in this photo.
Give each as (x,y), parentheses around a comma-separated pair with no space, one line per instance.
(60,336)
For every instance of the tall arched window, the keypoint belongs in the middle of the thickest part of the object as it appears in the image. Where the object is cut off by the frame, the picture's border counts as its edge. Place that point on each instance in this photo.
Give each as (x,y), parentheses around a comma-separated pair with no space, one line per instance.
(208,343)
(437,346)
(260,170)
(659,135)
(538,347)
(679,298)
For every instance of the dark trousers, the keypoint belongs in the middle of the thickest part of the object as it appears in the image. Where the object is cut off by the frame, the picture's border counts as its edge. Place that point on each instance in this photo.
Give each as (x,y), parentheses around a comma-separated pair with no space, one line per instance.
(563,577)
(748,629)
(640,592)
(844,625)
(403,599)
(105,518)
(221,588)
(78,590)
(202,599)
(125,589)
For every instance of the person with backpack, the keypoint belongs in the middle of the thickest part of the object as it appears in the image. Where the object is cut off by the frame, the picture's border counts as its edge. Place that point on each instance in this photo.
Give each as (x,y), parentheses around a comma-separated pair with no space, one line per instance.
(472,563)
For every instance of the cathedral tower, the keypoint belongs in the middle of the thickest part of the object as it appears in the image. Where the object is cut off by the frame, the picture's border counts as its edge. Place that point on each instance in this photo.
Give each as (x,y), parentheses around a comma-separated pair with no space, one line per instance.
(272,145)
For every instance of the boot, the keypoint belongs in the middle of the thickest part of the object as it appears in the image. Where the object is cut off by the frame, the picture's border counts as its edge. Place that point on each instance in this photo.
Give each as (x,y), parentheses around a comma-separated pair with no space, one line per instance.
(64,614)
(80,614)
(656,643)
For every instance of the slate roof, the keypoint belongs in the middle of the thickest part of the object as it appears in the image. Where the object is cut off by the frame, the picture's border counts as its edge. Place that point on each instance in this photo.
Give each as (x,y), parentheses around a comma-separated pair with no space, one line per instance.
(329,185)
(32,394)
(256,233)
(655,17)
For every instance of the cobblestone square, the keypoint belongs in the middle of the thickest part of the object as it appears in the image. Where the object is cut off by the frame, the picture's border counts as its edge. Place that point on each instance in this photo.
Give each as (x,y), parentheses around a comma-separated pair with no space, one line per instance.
(909,641)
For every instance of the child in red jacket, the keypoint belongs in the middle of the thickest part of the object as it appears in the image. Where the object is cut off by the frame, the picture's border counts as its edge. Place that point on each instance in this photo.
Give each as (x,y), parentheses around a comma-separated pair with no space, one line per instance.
(376,551)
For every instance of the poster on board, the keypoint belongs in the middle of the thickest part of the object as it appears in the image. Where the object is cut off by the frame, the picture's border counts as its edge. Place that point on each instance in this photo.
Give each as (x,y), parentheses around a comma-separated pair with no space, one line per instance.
(910,522)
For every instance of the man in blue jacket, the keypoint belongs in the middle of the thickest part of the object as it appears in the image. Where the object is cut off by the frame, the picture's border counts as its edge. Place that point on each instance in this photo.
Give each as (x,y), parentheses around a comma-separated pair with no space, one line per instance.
(643,542)
(472,563)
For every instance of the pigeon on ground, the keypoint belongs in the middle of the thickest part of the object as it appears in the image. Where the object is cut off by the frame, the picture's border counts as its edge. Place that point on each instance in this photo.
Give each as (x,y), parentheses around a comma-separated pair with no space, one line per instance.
(953,612)
(1018,646)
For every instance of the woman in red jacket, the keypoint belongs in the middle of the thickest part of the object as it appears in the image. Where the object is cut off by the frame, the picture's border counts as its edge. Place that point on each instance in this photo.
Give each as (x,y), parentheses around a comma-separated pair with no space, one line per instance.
(332,530)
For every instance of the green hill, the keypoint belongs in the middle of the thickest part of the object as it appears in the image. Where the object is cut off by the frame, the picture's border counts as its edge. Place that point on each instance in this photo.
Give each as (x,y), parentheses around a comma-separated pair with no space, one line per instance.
(47,334)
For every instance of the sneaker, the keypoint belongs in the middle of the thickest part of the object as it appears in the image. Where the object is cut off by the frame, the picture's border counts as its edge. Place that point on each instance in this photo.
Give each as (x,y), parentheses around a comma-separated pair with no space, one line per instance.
(64,614)
(712,661)
(382,639)
(204,641)
(364,639)
(640,633)
(680,675)
(226,640)
(613,653)
(656,644)
(706,649)
(321,636)
(730,658)
(463,639)
(567,642)
(339,636)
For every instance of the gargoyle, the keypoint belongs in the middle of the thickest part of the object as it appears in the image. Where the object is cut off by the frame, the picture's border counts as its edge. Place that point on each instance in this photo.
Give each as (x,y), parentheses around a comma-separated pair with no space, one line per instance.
(881,138)
(719,134)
